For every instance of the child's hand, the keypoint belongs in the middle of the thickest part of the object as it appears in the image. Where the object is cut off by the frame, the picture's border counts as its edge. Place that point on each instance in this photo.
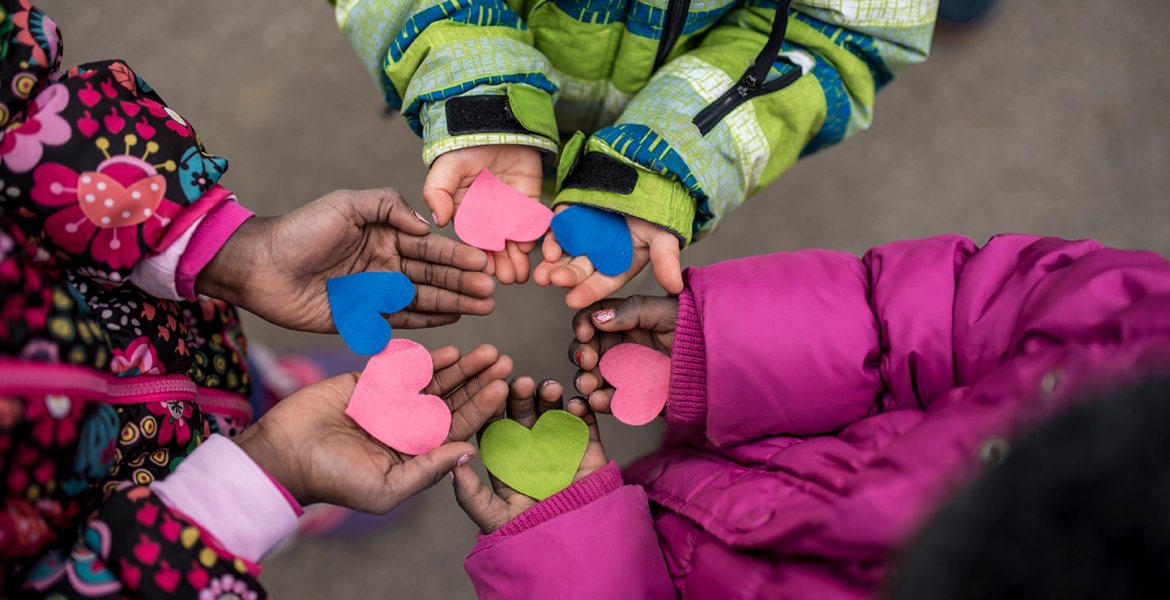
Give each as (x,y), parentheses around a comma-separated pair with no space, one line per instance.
(645,320)
(652,244)
(492,508)
(452,173)
(277,267)
(319,454)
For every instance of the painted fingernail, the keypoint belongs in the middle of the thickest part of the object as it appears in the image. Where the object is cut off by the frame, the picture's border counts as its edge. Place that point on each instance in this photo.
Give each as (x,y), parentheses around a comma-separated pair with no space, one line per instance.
(462,461)
(420,217)
(603,316)
(547,381)
(577,400)
(577,356)
(577,384)
(435,217)
(452,474)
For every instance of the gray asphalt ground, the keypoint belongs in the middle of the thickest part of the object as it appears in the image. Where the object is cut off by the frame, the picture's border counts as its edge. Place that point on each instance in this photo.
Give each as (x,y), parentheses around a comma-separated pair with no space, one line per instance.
(1051,119)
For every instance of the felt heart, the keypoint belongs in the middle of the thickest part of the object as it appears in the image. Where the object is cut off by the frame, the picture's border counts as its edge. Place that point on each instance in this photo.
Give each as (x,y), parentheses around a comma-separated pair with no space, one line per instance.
(107,204)
(492,212)
(388,405)
(538,462)
(641,376)
(601,235)
(358,302)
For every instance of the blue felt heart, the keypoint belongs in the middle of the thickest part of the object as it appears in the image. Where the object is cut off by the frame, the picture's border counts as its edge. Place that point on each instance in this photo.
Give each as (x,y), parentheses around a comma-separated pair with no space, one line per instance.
(358,302)
(598,234)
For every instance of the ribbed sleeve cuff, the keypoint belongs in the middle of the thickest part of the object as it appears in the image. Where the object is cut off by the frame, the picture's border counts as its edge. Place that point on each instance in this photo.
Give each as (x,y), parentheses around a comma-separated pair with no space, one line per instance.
(686,403)
(210,235)
(591,487)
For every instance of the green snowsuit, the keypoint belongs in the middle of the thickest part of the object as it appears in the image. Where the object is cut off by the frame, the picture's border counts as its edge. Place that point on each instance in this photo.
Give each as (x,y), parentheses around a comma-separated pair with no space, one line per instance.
(691,105)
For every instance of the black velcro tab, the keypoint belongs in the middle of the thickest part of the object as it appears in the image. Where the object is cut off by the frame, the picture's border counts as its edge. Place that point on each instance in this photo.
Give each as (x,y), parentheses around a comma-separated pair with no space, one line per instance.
(603,173)
(481,114)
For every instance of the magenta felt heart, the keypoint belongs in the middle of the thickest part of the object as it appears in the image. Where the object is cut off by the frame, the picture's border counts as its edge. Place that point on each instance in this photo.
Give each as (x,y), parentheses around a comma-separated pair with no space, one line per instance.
(388,405)
(641,376)
(492,212)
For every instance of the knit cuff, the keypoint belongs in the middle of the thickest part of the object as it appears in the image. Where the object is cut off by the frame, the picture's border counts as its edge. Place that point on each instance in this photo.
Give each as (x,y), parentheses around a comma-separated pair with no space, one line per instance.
(687,401)
(591,487)
(211,234)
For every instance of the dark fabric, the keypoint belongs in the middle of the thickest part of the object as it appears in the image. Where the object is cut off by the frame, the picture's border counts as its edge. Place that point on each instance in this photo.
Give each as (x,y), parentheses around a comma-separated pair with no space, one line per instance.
(481,114)
(601,172)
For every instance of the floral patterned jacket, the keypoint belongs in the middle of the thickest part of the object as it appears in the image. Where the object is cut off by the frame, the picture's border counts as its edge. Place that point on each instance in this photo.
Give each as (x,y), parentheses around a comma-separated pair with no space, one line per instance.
(112,371)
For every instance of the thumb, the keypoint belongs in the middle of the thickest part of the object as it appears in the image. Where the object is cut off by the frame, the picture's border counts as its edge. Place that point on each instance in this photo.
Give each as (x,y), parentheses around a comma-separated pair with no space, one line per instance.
(477,500)
(440,187)
(652,313)
(422,472)
(386,205)
(664,253)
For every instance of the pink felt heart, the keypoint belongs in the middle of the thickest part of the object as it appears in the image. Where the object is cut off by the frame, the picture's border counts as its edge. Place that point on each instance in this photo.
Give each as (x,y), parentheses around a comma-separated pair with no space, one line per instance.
(387,402)
(641,376)
(492,212)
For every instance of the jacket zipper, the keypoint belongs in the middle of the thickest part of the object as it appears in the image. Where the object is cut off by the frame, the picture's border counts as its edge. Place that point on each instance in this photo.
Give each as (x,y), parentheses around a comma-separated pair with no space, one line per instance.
(672,26)
(751,84)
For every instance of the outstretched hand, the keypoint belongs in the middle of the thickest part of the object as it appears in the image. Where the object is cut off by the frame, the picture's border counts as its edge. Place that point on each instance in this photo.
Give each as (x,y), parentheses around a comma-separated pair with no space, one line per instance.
(646,320)
(453,173)
(277,267)
(319,454)
(652,244)
(492,508)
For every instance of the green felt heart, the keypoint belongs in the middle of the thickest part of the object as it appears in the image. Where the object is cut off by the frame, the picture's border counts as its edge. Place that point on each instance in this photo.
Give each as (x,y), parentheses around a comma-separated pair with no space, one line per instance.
(538,462)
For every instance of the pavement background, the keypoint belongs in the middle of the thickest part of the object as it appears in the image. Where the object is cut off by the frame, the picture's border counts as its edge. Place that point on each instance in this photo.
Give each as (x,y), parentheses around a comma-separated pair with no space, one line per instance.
(1050,119)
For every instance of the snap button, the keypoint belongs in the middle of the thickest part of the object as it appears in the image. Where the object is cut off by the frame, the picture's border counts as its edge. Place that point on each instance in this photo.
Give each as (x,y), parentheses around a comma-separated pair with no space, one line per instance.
(755,518)
(1049,381)
(994,450)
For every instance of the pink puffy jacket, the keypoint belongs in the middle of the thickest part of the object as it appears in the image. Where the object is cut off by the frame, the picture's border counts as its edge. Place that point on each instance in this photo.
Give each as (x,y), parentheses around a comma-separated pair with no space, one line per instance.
(824,406)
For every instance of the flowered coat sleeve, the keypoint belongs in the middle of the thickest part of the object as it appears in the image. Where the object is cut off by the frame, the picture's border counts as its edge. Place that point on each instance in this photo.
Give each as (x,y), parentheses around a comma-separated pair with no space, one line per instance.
(94,164)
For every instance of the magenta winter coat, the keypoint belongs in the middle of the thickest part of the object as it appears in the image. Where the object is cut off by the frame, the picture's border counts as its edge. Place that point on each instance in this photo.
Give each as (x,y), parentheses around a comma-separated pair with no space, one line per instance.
(829,405)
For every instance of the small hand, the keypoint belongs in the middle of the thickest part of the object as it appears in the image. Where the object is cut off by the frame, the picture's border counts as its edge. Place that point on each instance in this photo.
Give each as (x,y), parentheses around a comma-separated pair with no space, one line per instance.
(492,508)
(646,320)
(319,454)
(277,267)
(652,244)
(452,173)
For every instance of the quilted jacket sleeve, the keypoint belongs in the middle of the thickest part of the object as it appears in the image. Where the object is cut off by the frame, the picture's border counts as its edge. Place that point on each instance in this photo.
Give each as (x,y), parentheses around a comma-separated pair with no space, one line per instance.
(808,342)
(463,72)
(732,108)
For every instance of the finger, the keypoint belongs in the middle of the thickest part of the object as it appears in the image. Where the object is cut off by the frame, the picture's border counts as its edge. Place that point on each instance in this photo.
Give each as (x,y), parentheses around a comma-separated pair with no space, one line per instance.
(409,319)
(505,272)
(498,372)
(664,252)
(548,396)
(599,400)
(585,356)
(599,285)
(587,381)
(384,205)
(480,409)
(428,298)
(434,248)
(543,273)
(422,472)
(519,258)
(439,189)
(445,357)
(522,401)
(580,409)
(652,313)
(488,511)
(578,269)
(470,282)
(550,248)
(449,378)
(582,322)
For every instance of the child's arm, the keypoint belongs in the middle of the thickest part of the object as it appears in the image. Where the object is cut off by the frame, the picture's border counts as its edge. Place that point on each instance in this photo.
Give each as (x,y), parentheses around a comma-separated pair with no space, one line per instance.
(689,147)
(594,539)
(466,77)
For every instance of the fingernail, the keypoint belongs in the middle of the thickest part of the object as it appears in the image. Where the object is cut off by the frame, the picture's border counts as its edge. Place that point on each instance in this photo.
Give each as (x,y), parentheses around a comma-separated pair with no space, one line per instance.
(577,400)
(577,356)
(462,461)
(452,474)
(420,217)
(603,316)
(435,217)
(577,384)
(547,381)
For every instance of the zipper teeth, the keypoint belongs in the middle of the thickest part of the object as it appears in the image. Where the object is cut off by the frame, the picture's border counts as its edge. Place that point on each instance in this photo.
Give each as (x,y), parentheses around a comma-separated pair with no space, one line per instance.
(741,92)
(32,376)
(154,386)
(676,11)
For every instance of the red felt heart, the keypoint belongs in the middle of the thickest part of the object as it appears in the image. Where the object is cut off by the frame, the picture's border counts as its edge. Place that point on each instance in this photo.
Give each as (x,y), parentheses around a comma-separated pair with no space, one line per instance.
(107,204)
(388,405)
(641,376)
(492,212)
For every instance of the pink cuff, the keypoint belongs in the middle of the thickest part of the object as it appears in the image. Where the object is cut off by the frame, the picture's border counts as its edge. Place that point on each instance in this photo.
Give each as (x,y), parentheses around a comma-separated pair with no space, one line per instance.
(687,402)
(292,502)
(219,487)
(582,492)
(210,235)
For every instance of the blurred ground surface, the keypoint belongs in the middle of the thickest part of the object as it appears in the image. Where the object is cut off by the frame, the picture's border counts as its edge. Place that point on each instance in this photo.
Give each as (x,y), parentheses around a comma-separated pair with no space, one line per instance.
(1051,120)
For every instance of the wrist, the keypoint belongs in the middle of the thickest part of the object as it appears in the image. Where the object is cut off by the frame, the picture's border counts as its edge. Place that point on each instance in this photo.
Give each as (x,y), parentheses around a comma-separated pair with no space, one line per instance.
(226,276)
(255,444)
